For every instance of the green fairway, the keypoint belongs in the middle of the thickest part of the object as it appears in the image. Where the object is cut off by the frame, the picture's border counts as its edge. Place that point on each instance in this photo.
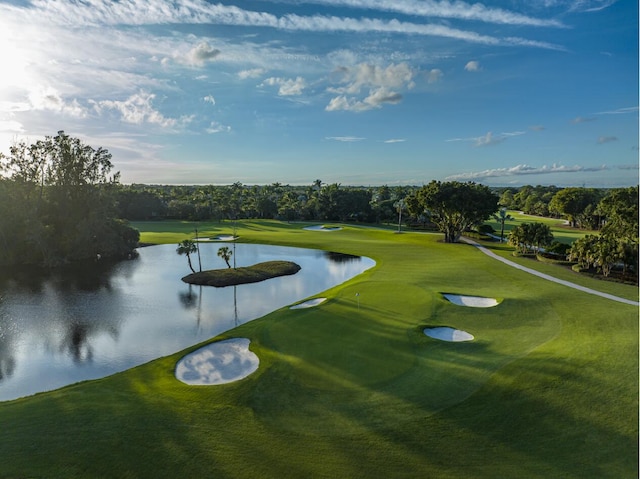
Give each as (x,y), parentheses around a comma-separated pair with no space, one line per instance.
(561,231)
(353,388)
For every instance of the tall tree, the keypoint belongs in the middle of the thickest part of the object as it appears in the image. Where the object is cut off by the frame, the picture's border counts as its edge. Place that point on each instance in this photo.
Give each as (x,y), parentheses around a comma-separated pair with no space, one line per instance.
(454,206)
(576,204)
(68,188)
(502,217)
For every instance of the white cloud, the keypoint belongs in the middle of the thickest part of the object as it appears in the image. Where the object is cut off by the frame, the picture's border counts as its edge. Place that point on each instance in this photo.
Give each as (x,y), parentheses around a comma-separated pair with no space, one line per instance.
(48,98)
(581,119)
(620,111)
(395,140)
(196,56)
(251,73)
(216,127)
(136,109)
(381,95)
(11,126)
(445,9)
(473,66)
(164,12)
(489,139)
(434,76)
(381,83)
(210,99)
(366,75)
(288,86)
(607,139)
(346,139)
(520,170)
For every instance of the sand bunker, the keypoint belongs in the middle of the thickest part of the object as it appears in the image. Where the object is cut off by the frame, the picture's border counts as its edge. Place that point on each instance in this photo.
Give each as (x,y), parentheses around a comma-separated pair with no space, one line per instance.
(309,304)
(448,334)
(218,363)
(471,301)
(224,238)
(322,228)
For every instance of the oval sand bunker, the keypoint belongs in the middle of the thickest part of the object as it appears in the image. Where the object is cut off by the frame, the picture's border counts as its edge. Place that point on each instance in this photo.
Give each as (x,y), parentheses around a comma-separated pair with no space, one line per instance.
(448,334)
(218,363)
(322,228)
(471,301)
(224,238)
(309,304)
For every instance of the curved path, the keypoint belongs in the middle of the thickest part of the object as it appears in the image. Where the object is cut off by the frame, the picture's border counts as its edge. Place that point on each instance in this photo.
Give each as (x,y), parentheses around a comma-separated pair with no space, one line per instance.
(547,277)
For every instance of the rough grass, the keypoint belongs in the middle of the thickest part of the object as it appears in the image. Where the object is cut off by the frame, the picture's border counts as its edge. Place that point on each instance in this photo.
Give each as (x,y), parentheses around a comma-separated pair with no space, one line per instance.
(353,388)
(242,275)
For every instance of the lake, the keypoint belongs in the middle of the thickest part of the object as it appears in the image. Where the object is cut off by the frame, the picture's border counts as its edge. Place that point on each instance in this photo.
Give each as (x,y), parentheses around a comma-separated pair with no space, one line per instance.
(67,326)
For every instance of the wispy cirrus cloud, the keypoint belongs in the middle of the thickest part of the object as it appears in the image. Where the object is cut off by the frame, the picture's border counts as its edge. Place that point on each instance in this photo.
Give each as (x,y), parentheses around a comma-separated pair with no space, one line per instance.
(395,140)
(582,119)
(607,139)
(489,139)
(619,111)
(520,170)
(345,139)
(445,9)
(162,12)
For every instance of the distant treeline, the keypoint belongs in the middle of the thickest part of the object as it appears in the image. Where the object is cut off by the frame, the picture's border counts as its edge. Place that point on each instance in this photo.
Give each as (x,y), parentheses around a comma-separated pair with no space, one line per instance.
(59,203)
(333,202)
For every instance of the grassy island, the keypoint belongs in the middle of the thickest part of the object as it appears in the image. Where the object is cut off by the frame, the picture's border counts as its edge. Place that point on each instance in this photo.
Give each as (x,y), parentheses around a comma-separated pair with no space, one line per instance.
(249,274)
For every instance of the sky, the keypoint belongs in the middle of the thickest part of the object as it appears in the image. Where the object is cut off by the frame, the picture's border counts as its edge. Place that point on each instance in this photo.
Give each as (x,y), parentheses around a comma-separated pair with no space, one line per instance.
(355,92)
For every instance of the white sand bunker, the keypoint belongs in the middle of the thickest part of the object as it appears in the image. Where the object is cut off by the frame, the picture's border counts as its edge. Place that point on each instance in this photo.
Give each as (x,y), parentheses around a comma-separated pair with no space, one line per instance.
(471,301)
(322,228)
(309,304)
(218,363)
(224,238)
(448,334)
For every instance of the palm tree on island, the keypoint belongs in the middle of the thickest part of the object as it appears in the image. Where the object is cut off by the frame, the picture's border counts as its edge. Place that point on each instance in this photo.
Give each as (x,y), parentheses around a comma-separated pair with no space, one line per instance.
(225,253)
(187,247)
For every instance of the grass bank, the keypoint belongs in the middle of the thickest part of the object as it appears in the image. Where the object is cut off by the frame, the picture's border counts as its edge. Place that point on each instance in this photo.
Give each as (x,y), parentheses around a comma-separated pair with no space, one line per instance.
(353,388)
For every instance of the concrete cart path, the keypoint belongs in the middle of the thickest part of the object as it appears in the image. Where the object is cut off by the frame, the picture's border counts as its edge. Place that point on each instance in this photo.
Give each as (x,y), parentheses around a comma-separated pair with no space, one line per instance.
(548,277)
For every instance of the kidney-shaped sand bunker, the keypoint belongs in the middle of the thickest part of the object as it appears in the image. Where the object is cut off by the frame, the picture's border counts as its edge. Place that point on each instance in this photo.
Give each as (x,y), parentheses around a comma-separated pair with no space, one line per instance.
(444,333)
(471,301)
(218,363)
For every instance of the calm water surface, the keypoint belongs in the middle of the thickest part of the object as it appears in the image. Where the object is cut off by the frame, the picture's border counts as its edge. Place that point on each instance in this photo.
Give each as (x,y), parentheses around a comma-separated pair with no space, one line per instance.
(69,327)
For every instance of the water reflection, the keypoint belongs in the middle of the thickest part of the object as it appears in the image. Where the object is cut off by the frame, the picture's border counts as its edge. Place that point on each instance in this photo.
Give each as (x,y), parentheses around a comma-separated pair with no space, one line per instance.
(57,328)
(341,257)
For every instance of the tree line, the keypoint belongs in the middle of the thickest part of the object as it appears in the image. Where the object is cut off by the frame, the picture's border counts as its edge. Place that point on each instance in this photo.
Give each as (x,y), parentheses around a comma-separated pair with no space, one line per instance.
(60,202)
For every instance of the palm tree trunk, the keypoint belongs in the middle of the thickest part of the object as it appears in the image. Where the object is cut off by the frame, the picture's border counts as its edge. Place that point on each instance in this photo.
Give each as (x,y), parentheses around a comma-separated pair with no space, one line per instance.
(189,261)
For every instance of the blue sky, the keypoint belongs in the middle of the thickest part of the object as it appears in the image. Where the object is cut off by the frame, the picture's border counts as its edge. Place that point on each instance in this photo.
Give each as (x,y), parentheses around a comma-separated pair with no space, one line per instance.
(359,92)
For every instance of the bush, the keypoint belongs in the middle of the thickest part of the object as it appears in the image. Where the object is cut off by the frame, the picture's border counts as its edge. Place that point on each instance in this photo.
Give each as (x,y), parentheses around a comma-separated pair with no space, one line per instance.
(558,248)
(552,259)
(485,229)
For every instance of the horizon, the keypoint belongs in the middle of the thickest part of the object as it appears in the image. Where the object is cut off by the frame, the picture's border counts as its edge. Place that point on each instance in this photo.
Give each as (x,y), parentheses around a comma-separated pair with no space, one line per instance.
(355,92)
